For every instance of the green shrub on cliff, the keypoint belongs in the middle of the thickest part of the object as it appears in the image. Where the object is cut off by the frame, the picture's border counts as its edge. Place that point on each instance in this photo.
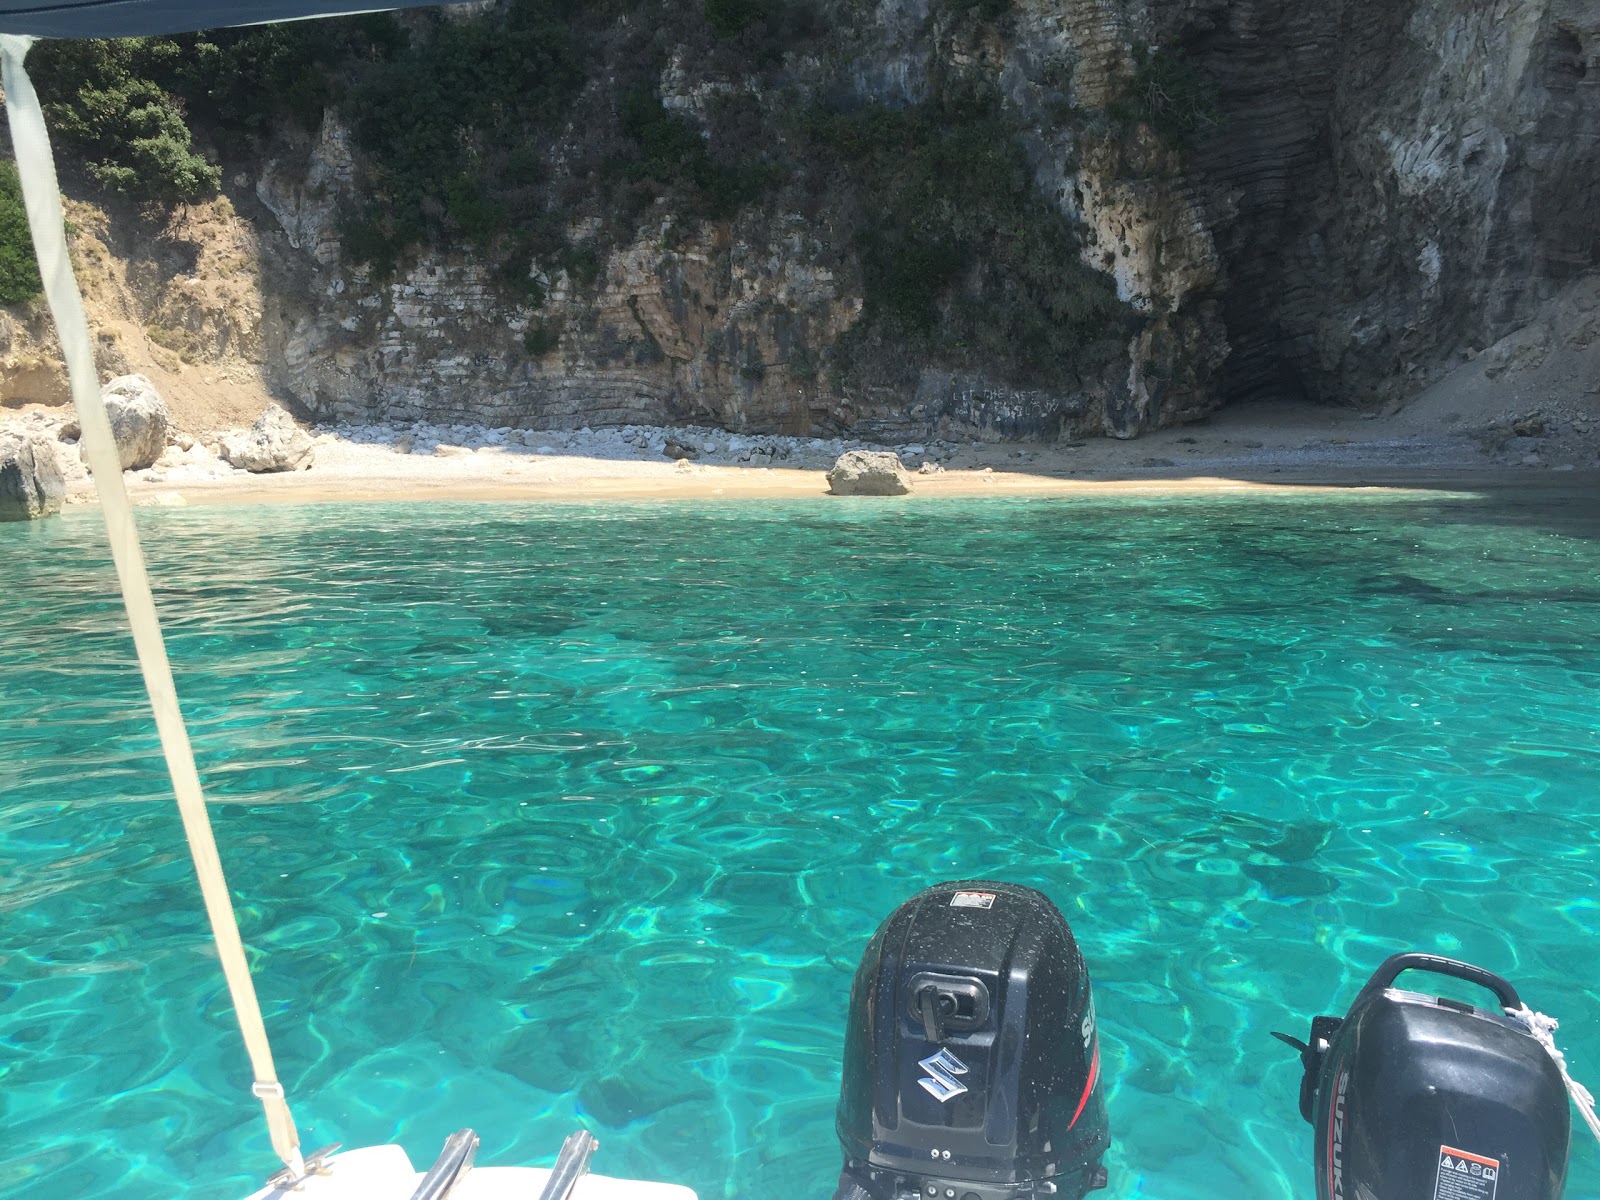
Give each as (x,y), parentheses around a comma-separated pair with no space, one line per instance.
(540,339)
(962,259)
(258,77)
(766,29)
(671,157)
(19,272)
(732,17)
(104,99)
(445,120)
(984,10)
(444,109)
(1172,94)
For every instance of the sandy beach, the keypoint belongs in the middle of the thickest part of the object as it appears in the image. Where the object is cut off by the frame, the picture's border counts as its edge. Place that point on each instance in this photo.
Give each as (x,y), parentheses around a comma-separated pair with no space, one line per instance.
(1459,438)
(1266,448)
(580,479)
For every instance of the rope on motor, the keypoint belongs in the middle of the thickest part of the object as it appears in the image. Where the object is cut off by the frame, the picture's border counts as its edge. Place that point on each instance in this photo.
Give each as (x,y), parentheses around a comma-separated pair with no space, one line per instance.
(1543,1029)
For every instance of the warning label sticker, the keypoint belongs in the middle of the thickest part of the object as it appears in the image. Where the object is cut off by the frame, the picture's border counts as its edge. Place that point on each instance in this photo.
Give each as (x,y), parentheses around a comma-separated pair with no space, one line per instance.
(972,900)
(1466,1176)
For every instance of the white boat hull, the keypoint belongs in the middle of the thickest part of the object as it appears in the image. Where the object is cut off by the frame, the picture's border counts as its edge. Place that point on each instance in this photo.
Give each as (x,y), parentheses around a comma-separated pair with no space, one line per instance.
(386,1173)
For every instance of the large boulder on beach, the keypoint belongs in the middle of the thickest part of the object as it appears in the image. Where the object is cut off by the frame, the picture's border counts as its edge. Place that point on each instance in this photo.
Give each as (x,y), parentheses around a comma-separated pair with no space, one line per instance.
(273,443)
(139,421)
(868,473)
(31,482)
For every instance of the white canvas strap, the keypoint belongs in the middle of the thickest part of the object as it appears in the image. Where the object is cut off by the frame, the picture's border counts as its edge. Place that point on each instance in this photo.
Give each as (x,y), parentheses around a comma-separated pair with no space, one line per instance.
(41,195)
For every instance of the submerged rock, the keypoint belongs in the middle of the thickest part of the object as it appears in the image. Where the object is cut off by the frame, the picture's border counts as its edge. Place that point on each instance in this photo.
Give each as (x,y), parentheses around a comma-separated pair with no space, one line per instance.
(31,483)
(139,421)
(868,473)
(274,443)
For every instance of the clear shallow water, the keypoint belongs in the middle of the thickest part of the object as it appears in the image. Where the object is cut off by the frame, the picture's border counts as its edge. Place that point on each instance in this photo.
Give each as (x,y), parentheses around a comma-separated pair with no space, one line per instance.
(548,816)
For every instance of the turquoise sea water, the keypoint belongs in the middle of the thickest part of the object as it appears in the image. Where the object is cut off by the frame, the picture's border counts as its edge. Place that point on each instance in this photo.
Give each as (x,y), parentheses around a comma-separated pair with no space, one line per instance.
(548,816)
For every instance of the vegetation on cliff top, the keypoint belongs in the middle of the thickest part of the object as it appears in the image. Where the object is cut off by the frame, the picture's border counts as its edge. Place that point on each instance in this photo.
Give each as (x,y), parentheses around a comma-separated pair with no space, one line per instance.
(114,102)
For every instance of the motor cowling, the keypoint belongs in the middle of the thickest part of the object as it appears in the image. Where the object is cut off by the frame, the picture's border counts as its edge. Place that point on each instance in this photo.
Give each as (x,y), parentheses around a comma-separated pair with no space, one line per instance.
(972,1062)
(1420,1096)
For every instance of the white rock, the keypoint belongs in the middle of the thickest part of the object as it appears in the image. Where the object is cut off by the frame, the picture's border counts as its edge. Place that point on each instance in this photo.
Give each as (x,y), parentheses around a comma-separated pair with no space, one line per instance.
(868,473)
(139,421)
(31,482)
(274,443)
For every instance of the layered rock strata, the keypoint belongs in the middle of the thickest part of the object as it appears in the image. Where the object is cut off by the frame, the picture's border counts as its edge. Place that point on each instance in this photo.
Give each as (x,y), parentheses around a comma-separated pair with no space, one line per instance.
(1339,202)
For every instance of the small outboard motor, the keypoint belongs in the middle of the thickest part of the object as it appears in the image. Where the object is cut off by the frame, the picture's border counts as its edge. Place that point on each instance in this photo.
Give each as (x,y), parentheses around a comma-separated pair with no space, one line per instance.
(1417,1097)
(971,1062)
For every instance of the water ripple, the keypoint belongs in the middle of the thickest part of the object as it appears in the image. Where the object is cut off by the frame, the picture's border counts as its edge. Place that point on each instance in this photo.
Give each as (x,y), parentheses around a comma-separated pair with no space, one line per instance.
(536,818)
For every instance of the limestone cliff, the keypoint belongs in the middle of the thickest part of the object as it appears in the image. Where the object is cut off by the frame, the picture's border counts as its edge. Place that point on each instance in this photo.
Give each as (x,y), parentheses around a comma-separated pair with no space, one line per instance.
(1338,201)
(1397,185)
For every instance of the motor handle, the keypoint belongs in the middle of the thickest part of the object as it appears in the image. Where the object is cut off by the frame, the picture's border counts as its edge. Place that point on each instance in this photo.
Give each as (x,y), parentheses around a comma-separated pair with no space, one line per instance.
(1395,964)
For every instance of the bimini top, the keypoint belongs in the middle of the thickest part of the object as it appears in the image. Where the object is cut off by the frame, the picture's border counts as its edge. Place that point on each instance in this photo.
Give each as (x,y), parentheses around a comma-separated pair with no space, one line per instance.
(134,18)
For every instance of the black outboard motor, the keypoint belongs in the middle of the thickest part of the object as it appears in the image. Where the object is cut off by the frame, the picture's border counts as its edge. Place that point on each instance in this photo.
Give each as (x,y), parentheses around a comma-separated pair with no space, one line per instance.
(971,1062)
(1417,1097)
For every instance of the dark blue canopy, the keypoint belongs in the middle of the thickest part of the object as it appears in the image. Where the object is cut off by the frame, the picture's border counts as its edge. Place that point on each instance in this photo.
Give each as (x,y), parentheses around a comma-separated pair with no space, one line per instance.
(132,18)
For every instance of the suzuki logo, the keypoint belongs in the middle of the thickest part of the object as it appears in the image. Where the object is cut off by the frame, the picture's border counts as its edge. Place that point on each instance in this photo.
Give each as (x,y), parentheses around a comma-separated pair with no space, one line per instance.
(941,1082)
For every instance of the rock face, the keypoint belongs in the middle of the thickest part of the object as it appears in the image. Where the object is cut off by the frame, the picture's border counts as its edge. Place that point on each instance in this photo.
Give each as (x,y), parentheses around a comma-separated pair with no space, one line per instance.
(273,443)
(1392,186)
(1337,201)
(31,483)
(1340,202)
(139,421)
(868,473)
